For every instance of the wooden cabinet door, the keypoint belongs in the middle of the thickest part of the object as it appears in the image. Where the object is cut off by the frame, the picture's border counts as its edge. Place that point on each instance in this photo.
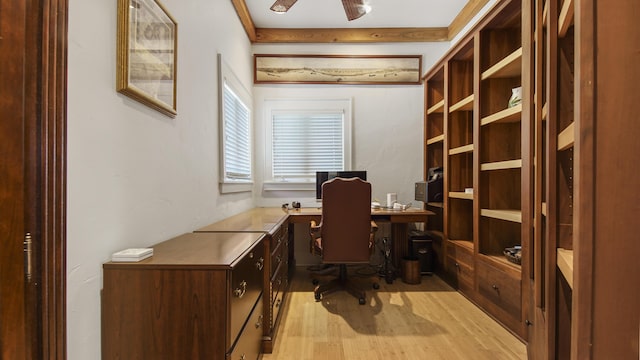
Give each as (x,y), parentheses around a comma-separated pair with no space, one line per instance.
(32,178)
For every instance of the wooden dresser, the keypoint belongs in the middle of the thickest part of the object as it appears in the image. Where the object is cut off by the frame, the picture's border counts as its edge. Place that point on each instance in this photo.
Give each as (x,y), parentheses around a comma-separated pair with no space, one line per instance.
(198,297)
(274,223)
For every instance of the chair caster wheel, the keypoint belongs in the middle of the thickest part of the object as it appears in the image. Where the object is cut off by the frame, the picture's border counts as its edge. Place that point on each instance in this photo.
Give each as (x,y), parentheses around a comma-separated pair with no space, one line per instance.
(317,296)
(315,281)
(376,286)
(361,301)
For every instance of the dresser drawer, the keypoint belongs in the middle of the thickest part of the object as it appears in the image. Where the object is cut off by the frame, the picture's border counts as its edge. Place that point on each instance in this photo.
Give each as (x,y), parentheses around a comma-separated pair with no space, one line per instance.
(276,306)
(500,288)
(461,254)
(246,287)
(461,273)
(249,343)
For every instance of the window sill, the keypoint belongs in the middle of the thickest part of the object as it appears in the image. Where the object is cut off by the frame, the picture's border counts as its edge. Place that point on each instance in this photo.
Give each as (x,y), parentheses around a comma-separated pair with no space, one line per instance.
(235,187)
(288,186)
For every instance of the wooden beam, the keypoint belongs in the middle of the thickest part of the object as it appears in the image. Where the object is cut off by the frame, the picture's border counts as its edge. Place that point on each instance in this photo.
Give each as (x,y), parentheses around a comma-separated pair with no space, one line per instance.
(353,35)
(245,18)
(466,14)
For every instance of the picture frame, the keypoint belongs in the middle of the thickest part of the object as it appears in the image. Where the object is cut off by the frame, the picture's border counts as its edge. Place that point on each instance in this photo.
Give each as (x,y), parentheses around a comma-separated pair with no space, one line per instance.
(147,43)
(338,69)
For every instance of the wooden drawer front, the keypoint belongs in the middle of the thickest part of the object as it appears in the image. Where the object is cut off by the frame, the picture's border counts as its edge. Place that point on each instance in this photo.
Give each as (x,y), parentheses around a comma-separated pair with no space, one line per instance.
(246,287)
(278,281)
(276,306)
(249,343)
(500,288)
(462,255)
(461,273)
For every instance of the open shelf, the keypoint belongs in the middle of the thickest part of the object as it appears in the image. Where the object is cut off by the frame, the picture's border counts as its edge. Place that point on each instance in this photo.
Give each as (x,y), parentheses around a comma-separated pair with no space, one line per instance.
(435,139)
(544,208)
(465,104)
(566,138)
(467,244)
(511,114)
(502,165)
(507,215)
(435,204)
(565,264)
(500,260)
(508,67)
(460,195)
(461,149)
(436,108)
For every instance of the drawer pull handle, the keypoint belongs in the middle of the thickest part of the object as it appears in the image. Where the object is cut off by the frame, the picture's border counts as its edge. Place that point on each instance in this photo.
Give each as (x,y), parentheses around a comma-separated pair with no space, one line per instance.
(243,357)
(239,292)
(259,322)
(260,264)
(278,259)
(278,303)
(495,287)
(457,266)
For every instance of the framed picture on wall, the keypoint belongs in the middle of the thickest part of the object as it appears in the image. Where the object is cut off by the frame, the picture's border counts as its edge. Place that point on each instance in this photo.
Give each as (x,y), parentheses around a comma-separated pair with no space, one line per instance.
(147,54)
(338,69)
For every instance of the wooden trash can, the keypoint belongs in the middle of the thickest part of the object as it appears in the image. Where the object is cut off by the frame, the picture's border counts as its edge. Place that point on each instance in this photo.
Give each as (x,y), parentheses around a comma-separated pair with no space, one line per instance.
(411,270)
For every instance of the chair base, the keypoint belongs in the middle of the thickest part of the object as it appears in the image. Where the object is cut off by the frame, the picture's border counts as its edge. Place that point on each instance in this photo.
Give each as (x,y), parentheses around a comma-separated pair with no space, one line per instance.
(342,282)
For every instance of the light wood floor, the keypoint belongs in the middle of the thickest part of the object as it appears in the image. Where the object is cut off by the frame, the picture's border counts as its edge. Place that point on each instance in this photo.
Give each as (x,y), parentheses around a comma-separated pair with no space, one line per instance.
(399,321)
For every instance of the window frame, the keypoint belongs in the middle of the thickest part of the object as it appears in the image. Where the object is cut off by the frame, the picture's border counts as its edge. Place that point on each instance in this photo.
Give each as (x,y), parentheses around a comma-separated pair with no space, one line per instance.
(304,106)
(228,77)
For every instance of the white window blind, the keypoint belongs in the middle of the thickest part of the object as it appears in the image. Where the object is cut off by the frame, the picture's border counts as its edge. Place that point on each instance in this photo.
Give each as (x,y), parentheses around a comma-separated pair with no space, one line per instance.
(237,137)
(303,143)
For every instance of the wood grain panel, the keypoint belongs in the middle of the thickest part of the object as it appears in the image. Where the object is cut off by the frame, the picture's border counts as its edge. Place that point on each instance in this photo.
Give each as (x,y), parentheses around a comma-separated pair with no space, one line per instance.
(351,35)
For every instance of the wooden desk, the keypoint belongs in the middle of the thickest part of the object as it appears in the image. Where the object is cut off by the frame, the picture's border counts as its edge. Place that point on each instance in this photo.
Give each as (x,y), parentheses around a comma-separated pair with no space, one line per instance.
(399,220)
(190,300)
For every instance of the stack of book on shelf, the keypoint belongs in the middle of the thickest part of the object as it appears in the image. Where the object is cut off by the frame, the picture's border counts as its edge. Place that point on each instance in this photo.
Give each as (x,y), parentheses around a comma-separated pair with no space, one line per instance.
(132,255)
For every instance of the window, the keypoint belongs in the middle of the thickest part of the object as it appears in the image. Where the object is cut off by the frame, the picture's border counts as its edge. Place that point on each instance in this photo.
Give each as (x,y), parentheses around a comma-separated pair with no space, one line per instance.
(235,133)
(305,136)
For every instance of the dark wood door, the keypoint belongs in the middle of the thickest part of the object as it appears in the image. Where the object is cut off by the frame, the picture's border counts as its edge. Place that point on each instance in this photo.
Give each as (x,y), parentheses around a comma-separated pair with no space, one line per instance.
(32,178)
(13,321)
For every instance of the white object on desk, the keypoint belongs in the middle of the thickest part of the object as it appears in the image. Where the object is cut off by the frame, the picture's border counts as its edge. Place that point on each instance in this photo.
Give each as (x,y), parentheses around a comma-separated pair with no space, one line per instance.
(132,255)
(392,198)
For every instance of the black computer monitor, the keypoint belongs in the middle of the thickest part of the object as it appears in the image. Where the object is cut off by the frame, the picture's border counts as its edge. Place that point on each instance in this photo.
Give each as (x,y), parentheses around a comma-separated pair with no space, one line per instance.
(322,176)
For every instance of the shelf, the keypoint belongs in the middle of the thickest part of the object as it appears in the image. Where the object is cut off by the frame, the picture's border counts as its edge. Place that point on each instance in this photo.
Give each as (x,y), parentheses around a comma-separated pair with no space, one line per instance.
(460,195)
(500,259)
(545,111)
(566,138)
(437,108)
(511,114)
(435,139)
(545,14)
(508,67)
(501,165)
(507,215)
(544,208)
(565,264)
(468,244)
(461,149)
(465,104)
(435,204)
(566,18)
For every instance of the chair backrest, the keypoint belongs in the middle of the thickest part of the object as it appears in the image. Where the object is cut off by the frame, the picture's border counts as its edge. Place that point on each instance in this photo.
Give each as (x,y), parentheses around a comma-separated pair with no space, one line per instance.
(346,221)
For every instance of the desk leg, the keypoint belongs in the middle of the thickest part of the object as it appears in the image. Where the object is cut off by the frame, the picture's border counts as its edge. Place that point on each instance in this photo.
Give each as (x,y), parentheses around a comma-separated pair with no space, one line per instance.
(399,233)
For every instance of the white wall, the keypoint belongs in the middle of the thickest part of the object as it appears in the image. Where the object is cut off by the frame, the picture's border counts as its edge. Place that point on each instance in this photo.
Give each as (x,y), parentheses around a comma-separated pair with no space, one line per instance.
(135,176)
(387,120)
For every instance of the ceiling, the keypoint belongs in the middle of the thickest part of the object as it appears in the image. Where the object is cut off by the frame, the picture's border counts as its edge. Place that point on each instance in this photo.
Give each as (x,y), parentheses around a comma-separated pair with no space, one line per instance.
(317,21)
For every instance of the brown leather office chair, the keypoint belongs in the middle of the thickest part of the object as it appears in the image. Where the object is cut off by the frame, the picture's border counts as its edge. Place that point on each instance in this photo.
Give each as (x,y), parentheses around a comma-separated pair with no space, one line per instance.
(345,234)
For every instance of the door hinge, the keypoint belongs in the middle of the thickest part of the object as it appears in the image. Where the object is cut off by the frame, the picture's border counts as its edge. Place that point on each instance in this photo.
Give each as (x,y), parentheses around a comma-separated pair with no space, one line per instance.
(27,255)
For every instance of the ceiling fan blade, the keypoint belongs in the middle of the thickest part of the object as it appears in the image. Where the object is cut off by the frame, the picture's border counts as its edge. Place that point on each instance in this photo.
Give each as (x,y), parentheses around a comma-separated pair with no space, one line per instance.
(355,8)
(282,6)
